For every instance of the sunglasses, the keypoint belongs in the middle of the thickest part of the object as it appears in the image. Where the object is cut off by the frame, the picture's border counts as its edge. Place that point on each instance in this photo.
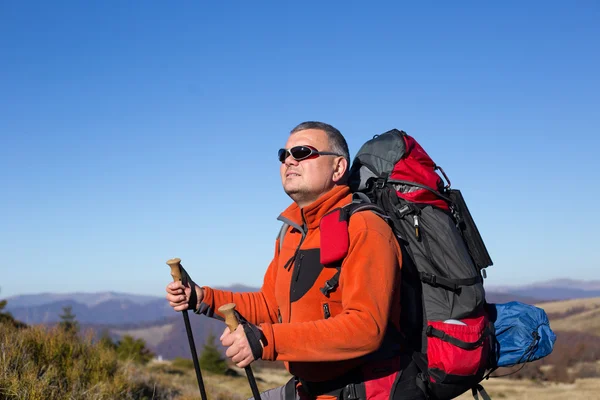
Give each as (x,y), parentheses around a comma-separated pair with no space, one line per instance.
(300,153)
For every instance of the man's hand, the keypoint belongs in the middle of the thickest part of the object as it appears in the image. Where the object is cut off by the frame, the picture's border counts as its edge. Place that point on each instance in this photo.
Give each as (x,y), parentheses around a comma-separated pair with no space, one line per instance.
(178,296)
(239,349)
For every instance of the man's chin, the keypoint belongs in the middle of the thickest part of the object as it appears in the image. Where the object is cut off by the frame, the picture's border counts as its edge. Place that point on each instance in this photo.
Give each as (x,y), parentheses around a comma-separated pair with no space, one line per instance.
(294,193)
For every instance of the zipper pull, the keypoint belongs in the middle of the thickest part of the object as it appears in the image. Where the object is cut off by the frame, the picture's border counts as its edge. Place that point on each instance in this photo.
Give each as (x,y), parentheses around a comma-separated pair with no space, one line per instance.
(416,225)
(326,312)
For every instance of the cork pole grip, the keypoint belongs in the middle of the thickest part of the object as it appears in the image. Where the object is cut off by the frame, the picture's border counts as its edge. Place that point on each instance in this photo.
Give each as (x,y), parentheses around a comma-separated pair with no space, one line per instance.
(230,320)
(175,265)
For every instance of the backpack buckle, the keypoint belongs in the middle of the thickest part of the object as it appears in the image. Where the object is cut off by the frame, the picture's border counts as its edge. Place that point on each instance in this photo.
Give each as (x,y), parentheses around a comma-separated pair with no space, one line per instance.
(350,392)
(402,211)
(381,180)
(429,278)
(328,287)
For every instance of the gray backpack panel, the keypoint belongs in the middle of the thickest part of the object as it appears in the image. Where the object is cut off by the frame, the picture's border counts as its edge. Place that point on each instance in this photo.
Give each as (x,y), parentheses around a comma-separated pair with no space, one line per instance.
(376,156)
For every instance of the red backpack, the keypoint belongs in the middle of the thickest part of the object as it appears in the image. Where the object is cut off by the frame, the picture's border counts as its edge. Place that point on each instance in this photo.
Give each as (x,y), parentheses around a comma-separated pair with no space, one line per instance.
(446,329)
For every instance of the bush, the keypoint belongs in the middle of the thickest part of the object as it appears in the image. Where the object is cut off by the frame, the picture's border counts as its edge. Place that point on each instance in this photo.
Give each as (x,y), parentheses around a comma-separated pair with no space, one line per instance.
(50,364)
(211,358)
(132,349)
(7,318)
(106,341)
(68,323)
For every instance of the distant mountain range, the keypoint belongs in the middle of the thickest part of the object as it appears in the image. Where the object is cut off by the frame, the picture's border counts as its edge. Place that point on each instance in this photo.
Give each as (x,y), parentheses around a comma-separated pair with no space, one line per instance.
(151,318)
(557,289)
(104,308)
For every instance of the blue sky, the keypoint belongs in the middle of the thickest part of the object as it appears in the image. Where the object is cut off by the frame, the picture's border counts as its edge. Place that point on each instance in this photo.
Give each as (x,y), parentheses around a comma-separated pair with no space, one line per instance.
(133,132)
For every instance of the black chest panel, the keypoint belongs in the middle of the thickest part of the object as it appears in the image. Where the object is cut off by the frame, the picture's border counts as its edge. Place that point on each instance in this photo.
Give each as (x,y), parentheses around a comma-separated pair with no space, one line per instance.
(307,269)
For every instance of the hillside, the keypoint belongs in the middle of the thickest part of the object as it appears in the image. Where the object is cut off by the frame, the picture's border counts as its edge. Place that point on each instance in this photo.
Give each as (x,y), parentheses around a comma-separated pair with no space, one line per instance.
(579,315)
(151,319)
(576,354)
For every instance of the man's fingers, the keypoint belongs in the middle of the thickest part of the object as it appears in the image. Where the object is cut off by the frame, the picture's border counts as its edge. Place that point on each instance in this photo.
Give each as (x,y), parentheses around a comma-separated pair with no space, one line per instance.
(177,298)
(225,332)
(238,357)
(245,362)
(175,285)
(238,349)
(228,340)
(179,306)
(231,352)
(240,354)
(175,288)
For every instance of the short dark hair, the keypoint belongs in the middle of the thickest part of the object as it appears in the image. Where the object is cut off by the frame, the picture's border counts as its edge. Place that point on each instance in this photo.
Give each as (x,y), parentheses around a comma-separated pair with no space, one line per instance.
(336,140)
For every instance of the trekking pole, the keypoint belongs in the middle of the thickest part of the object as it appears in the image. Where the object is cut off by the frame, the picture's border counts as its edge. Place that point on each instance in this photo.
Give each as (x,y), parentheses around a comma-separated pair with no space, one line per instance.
(228,311)
(175,264)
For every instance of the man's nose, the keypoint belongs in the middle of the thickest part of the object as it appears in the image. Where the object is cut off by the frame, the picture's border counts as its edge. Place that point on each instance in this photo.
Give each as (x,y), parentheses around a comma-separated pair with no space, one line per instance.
(290,160)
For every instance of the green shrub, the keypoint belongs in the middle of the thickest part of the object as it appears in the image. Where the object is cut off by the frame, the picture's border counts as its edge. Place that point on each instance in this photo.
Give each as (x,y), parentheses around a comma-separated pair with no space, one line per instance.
(68,323)
(211,359)
(106,341)
(129,348)
(7,318)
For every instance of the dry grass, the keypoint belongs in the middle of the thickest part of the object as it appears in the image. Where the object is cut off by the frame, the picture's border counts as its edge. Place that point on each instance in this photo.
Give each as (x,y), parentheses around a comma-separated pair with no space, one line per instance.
(40,363)
(236,388)
(585,321)
(218,387)
(505,389)
(578,315)
(566,305)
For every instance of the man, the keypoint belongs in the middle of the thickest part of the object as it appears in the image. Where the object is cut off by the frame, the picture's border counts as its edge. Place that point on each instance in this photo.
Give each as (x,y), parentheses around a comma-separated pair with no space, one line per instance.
(323,339)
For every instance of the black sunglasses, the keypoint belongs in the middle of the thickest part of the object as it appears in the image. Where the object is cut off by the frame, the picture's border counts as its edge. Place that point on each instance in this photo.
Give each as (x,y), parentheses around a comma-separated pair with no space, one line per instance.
(299,153)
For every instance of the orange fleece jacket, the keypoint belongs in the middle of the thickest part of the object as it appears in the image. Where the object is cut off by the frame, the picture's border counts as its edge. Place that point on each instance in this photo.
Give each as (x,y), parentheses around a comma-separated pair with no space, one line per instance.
(366,300)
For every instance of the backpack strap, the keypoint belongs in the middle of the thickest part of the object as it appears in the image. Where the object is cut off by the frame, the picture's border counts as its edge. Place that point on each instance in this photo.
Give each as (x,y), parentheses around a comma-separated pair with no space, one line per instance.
(332,283)
(282,232)
(360,202)
(284,227)
(478,388)
(447,283)
(432,332)
(360,197)
(290,389)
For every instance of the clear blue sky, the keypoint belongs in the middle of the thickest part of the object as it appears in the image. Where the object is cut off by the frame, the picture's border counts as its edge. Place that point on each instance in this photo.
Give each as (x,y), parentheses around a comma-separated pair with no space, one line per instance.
(133,132)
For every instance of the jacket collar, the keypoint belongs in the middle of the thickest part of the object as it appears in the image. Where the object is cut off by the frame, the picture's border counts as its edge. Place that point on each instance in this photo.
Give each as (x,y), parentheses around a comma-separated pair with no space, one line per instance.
(310,216)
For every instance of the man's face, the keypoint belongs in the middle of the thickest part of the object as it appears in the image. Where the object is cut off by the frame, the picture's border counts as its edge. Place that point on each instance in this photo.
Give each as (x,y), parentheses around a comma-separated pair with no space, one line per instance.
(305,180)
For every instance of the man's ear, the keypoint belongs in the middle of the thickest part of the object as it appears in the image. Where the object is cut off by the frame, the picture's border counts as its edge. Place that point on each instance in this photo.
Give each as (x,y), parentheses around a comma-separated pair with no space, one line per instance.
(340,169)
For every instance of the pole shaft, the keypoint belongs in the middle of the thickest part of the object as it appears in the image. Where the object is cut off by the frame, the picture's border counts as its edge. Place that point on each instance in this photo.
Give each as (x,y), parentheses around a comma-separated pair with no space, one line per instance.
(252,382)
(188,329)
(175,264)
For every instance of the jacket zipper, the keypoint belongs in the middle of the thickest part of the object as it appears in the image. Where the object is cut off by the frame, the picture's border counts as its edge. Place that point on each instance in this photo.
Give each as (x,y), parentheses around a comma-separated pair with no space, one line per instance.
(297,269)
(326,313)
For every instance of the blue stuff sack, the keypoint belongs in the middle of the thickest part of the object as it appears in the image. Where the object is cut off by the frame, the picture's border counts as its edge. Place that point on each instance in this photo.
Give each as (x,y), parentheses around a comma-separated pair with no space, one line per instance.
(523,333)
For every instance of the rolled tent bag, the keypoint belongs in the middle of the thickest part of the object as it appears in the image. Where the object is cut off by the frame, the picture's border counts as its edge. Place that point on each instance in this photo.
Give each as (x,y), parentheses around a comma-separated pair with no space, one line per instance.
(522,333)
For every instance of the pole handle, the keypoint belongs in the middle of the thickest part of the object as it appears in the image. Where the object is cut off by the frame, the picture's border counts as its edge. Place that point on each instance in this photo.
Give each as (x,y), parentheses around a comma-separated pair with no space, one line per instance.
(230,320)
(175,264)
